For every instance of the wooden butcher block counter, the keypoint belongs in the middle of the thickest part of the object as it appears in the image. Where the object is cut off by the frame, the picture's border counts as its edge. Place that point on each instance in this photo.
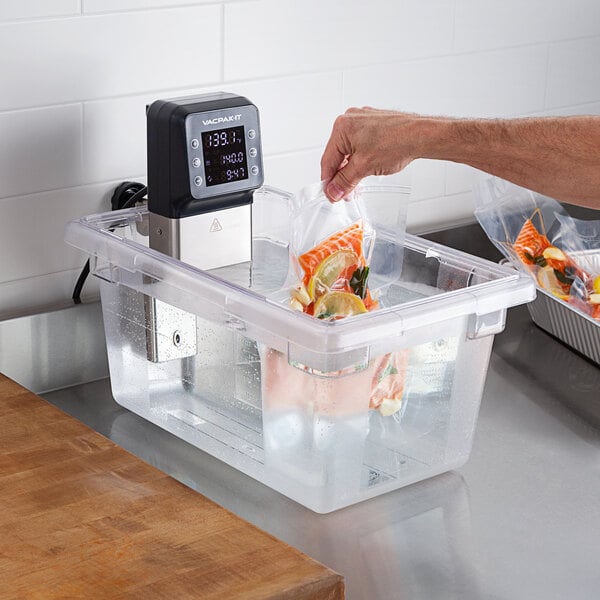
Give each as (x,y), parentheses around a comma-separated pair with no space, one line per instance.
(82,518)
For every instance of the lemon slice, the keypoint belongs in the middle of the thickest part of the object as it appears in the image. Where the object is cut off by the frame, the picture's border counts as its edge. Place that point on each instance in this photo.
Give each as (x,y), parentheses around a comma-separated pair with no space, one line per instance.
(338,304)
(389,406)
(296,305)
(300,295)
(547,280)
(596,284)
(554,253)
(329,271)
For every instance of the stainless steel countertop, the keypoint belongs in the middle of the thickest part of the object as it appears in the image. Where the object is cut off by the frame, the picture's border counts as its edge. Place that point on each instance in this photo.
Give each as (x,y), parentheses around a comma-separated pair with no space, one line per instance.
(520,520)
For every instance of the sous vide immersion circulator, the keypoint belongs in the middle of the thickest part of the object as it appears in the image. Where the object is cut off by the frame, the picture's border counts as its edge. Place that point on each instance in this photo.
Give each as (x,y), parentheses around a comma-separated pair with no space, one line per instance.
(204,163)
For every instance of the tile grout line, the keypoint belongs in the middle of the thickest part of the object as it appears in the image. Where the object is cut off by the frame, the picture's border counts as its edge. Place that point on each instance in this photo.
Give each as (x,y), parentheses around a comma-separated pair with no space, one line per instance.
(179,6)
(454,10)
(82,141)
(546,77)
(296,74)
(81,12)
(223,42)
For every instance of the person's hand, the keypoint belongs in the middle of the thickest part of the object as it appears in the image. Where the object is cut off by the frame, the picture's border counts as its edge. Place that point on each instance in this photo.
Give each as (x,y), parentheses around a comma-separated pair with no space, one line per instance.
(367,141)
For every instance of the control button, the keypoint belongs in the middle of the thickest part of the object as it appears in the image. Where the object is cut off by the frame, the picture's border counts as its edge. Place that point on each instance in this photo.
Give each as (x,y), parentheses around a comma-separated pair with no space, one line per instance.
(254,170)
(252,152)
(198,180)
(196,162)
(251,134)
(195,143)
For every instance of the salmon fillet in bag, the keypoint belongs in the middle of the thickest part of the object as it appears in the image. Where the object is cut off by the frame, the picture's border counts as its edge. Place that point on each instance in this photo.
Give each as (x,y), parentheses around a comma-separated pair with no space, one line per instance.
(330,255)
(539,237)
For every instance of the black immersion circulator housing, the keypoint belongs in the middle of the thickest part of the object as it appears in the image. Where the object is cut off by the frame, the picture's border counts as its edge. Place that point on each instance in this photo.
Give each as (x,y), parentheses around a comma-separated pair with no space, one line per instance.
(169,187)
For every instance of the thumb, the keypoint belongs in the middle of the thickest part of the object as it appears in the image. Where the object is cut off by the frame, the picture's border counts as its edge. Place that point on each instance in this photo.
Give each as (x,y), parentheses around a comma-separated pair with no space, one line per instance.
(343,182)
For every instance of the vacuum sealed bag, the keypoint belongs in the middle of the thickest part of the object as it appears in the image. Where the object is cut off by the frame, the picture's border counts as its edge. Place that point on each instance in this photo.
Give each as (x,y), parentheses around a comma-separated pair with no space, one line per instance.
(330,256)
(539,237)
(331,249)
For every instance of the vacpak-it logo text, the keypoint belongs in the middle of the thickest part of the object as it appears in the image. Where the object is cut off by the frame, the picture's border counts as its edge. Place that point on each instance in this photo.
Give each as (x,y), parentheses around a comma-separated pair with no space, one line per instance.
(217,120)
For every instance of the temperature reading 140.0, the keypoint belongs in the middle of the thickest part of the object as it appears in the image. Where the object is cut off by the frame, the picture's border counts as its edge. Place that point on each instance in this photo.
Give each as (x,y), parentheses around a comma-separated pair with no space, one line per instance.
(233,158)
(225,158)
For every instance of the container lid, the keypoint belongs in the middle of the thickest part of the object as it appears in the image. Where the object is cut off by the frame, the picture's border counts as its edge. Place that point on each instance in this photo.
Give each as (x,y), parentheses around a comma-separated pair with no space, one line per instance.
(491,288)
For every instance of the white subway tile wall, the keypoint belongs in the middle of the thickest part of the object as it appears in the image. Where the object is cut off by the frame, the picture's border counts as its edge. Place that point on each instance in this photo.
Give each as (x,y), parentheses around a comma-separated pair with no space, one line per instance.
(292,171)
(573,74)
(288,36)
(487,84)
(32,227)
(76,76)
(106,6)
(32,9)
(484,24)
(89,57)
(40,149)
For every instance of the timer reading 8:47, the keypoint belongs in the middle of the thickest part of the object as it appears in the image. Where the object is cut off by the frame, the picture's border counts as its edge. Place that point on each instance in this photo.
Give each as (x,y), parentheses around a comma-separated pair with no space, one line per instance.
(236,174)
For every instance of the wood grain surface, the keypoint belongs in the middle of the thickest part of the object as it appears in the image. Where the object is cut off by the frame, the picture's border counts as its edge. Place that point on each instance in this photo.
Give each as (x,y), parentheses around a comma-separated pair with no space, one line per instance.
(82,518)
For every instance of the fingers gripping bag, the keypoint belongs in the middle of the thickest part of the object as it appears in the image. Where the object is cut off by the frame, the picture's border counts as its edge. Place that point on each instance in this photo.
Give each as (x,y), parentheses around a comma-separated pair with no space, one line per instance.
(539,237)
(332,246)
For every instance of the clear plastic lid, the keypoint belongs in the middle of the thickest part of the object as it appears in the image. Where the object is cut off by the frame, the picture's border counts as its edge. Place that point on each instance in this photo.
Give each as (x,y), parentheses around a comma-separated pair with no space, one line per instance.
(435,283)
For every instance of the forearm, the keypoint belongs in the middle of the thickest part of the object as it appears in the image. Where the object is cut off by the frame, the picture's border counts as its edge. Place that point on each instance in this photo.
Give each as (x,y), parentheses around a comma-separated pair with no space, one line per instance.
(559,157)
(556,156)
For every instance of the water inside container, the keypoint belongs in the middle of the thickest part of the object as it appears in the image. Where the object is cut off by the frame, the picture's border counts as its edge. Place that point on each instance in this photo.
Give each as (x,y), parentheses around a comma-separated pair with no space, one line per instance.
(305,430)
(249,404)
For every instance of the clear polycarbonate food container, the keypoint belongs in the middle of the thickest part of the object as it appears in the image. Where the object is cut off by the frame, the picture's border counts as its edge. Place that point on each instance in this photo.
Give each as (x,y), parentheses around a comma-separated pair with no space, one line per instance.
(219,359)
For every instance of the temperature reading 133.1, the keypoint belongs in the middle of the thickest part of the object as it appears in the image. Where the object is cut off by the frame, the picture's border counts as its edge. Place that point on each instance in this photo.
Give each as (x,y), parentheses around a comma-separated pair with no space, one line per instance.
(225,158)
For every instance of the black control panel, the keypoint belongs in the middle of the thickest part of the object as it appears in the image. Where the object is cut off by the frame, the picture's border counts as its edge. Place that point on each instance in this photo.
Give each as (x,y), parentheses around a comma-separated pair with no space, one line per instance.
(204,154)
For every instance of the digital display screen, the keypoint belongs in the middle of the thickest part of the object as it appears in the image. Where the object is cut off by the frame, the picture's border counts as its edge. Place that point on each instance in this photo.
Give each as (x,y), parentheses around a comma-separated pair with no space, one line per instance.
(225,157)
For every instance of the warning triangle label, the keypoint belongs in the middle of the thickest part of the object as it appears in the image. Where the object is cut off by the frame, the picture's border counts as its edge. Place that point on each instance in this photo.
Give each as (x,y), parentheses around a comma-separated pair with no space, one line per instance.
(216,226)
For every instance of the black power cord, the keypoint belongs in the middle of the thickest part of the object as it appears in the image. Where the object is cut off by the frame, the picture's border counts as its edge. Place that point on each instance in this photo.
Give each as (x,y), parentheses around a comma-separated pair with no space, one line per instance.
(126,195)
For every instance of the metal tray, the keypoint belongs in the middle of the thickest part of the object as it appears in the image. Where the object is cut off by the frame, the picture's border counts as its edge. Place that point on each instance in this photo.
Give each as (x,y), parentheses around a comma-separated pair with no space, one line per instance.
(577,330)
